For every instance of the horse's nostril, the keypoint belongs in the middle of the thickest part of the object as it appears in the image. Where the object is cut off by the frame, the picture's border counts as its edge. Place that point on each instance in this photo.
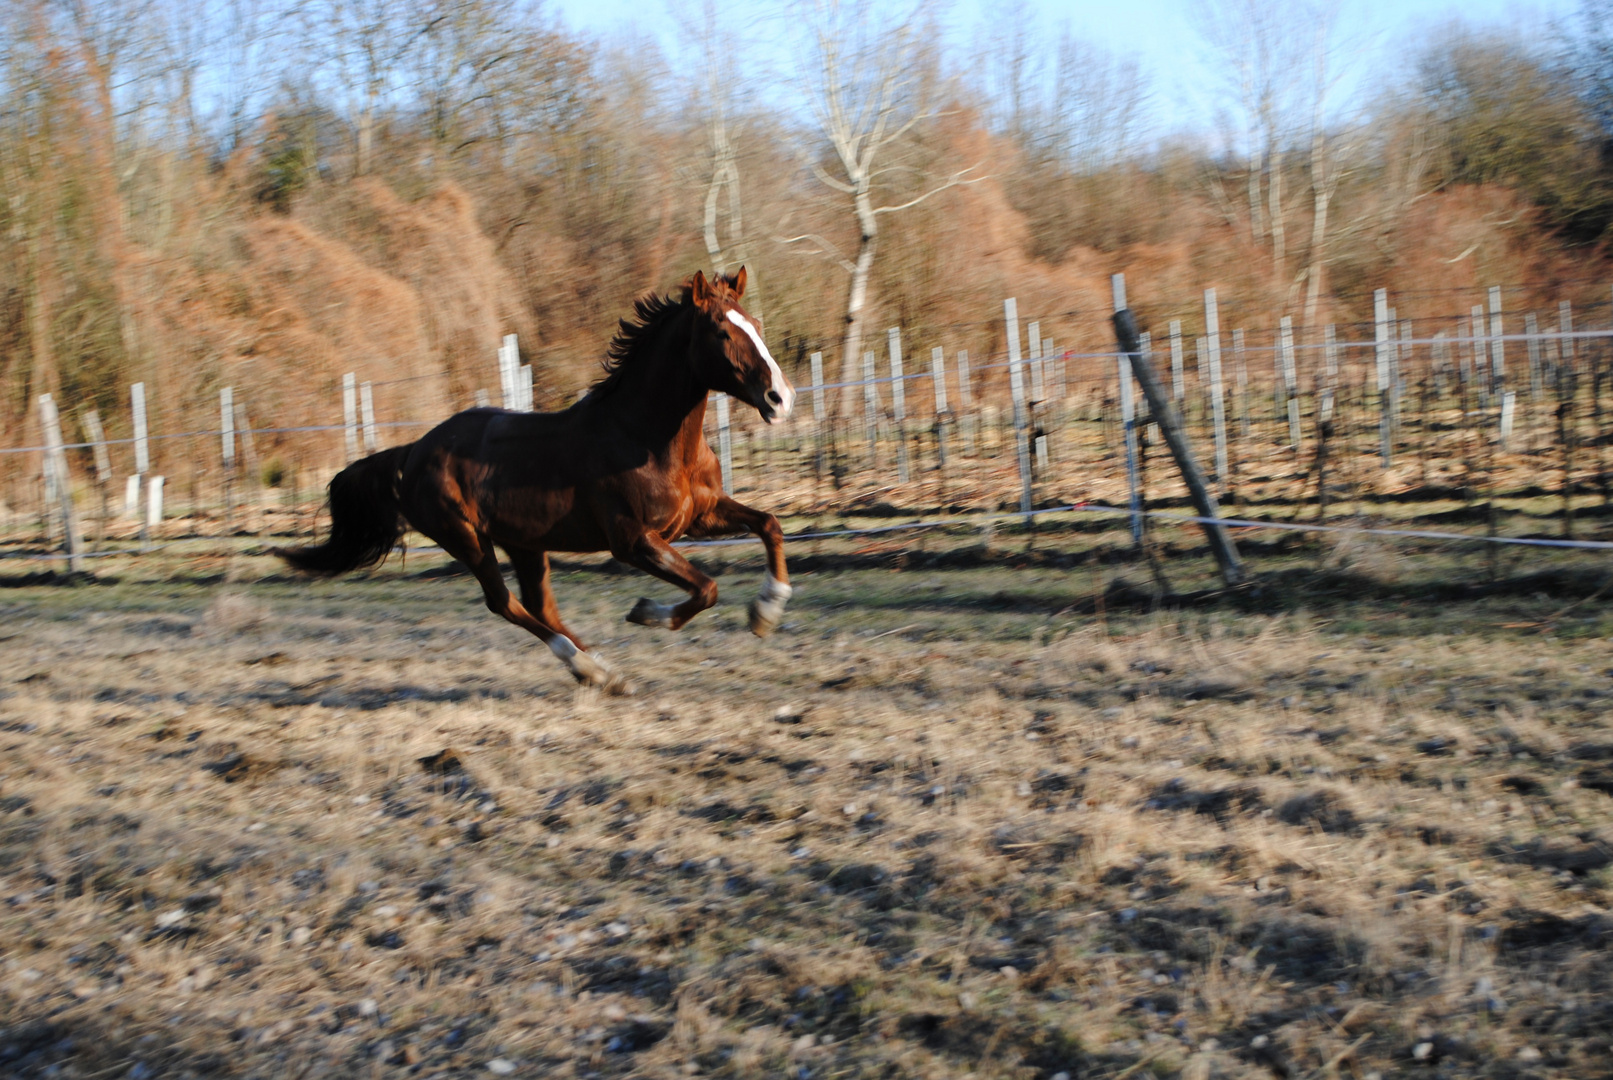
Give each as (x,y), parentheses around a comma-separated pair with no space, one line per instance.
(773,396)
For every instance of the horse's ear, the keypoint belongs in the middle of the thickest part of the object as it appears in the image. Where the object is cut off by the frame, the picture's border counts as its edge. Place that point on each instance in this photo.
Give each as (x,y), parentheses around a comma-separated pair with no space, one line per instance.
(737,283)
(699,289)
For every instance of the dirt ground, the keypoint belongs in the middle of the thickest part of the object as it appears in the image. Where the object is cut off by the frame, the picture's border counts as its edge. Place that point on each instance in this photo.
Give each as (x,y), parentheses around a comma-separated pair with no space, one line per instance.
(967,814)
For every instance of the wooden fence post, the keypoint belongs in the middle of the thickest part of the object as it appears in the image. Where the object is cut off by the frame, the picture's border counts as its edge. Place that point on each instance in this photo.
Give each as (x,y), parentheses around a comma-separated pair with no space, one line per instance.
(95,435)
(818,412)
(509,374)
(1178,375)
(1016,387)
(1128,415)
(1290,381)
(366,412)
(938,377)
(1380,322)
(1498,349)
(226,428)
(1531,330)
(871,408)
(1170,423)
(966,403)
(142,454)
(1033,336)
(725,445)
(56,467)
(350,415)
(1212,332)
(898,402)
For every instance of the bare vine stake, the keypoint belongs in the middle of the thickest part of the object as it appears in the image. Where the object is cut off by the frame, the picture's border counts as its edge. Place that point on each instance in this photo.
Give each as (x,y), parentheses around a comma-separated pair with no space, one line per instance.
(56,467)
(898,402)
(1016,386)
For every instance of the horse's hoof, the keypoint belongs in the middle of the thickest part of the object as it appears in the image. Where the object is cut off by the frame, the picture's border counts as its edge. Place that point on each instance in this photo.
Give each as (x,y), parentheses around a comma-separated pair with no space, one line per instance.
(620,686)
(649,613)
(765,616)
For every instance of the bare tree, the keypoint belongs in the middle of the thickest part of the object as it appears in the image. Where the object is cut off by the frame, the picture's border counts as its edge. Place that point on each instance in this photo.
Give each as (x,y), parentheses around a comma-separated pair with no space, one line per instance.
(869,83)
(1264,61)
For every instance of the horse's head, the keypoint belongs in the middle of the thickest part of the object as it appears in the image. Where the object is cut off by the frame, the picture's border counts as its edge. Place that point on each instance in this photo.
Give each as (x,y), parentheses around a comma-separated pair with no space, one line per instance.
(729,349)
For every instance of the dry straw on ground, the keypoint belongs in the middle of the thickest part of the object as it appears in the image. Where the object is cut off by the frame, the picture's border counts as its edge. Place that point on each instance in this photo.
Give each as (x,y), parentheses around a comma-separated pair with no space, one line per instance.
(362,828)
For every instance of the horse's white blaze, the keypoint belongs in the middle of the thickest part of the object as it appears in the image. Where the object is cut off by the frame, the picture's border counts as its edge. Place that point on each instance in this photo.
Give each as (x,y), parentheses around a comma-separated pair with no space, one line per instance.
(781,386)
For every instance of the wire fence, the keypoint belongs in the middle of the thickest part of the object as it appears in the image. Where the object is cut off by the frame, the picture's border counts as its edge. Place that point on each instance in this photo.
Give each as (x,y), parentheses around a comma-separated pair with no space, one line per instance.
(1296,426)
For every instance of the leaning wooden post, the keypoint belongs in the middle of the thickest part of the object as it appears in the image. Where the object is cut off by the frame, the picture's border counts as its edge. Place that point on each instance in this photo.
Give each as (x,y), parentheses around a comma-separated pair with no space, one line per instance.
(1128,416)
(1016,386)
(56,467)
(898,402)
(1170,423)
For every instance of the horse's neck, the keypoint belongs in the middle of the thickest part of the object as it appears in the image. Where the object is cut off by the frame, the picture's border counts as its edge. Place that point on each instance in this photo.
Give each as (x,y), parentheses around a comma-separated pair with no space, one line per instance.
(661,401)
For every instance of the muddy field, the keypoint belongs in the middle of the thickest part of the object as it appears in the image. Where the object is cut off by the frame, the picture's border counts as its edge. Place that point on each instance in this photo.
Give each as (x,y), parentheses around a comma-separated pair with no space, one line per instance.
(996,814)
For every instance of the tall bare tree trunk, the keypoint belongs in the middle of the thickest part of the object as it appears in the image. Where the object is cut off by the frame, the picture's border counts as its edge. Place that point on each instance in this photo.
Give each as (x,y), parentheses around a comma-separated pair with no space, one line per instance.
(1257,230)
(1274,214)
(1321,196)
(857,298)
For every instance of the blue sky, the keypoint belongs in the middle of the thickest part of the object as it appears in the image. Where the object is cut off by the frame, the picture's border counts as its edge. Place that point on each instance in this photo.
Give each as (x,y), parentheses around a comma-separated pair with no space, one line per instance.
(1159,32)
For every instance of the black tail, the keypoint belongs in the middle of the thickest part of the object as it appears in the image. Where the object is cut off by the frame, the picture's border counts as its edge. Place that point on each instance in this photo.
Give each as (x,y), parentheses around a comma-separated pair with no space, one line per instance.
(365,524)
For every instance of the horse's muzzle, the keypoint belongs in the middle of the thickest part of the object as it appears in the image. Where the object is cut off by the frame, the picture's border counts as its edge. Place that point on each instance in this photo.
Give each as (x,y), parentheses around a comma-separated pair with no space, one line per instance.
(776,402)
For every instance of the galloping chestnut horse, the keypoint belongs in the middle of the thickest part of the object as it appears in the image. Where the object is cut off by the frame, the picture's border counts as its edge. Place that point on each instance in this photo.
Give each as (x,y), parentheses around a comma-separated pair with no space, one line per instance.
(625,470)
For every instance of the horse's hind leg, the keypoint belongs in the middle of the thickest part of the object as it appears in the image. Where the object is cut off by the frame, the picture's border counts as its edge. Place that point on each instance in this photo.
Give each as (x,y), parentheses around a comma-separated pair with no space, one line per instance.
(532,572)
(482,559)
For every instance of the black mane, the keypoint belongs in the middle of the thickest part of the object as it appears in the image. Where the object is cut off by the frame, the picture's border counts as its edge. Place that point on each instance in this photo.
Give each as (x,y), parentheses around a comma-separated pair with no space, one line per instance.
(635,341)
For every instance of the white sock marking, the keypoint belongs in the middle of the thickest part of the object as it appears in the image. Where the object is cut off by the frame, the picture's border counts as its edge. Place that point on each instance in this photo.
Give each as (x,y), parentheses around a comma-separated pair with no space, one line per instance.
(562,647)
(781,386)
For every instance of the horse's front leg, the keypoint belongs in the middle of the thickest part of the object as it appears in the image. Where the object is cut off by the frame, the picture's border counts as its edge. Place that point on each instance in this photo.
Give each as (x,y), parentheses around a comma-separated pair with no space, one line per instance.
(729,516)
(632,544)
